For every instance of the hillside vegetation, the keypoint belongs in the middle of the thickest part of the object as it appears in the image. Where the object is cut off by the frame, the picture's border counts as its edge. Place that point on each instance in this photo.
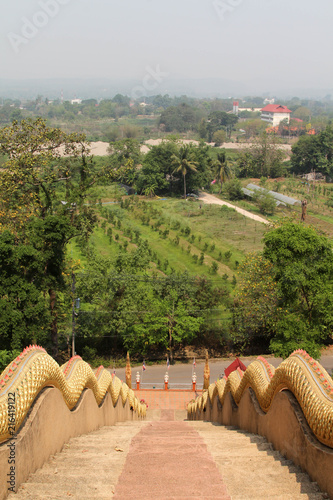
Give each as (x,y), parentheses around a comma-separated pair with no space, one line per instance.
(157,271)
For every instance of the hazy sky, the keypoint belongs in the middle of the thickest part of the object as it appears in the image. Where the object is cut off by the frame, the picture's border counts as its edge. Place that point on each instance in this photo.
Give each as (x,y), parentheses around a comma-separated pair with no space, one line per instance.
(279,42)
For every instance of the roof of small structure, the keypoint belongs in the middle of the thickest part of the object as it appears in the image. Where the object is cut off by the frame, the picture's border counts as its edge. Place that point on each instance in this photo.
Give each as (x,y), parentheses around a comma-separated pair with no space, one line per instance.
(278,196)
(276,108)
(234,365)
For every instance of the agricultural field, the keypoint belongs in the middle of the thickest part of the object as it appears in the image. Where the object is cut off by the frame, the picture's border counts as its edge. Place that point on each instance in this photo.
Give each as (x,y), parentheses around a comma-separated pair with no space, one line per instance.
(319,196)
(182,235)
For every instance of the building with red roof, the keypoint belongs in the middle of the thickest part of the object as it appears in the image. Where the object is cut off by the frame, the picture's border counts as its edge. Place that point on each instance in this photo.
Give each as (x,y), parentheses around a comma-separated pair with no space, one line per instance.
(275,113)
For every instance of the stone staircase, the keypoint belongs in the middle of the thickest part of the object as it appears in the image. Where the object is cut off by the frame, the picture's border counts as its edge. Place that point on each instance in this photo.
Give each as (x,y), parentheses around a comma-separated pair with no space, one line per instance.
(88,467)
(251,468)
(166,457)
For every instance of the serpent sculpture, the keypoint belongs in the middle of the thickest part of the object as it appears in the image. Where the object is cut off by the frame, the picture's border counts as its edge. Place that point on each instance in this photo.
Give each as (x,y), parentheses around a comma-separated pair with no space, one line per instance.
(300,374)
(34,369)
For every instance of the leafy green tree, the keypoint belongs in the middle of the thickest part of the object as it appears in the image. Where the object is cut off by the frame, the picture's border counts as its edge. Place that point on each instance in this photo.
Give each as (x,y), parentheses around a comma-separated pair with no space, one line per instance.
(23,308)
(42,198)
(202,129)
(302,113)
(314,153)
(183,161)
(157,168)
(303,270)
(256,304)
(284,298)
(252,127)
(180,118)
(151,178)
(220,120)
(168,323)
(264,158)
(219,137)
(125,151)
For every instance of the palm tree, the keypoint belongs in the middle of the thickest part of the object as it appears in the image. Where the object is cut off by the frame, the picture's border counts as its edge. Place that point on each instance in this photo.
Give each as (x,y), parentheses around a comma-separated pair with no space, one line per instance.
(184,163)
(223,171)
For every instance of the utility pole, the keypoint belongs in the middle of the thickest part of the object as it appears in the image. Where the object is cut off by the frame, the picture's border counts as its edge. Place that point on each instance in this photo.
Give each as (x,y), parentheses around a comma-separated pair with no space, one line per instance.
(73,314)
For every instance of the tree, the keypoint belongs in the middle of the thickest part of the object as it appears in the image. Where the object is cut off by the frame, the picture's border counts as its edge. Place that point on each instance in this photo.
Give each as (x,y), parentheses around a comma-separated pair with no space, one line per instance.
(184,163)
(125,150)
(252,127)
(264,158)
(219,137)
(223,171)
(202,129)
(285,294)
(220,120)
(157,168)
(255,309)
(23,308)
(302,113)
(42,199)
(168,323)
(303,270)
(314,153)
(180,118)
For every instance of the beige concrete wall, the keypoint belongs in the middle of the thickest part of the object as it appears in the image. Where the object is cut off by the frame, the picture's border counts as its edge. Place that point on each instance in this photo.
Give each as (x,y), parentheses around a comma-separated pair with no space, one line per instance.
(284,426)
(50,425)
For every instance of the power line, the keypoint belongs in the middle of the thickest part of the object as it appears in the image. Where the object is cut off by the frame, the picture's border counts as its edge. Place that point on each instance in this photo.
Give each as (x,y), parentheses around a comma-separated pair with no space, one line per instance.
(190,311)
(157,278)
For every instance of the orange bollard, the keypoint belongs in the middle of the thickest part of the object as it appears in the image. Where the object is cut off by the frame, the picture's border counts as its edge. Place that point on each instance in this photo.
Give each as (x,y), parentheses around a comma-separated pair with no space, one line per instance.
(137,381)
(194,382)
(166,381)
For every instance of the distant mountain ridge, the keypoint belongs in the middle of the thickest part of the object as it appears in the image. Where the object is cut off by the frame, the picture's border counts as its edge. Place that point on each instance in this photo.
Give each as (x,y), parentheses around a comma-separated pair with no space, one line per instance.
(102,88)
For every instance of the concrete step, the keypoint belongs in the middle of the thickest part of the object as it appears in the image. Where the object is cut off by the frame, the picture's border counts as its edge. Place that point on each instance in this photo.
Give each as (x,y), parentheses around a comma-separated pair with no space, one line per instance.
(162,459)
(252,469)
(87,467)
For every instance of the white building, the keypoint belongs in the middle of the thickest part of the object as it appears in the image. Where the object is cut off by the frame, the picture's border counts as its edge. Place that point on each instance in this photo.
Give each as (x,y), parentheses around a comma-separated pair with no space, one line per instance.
(273,114)
(76,101)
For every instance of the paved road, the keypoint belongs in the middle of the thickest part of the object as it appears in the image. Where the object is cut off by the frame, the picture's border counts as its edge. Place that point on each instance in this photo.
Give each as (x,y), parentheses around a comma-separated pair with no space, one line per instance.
(180,375)
(212,200)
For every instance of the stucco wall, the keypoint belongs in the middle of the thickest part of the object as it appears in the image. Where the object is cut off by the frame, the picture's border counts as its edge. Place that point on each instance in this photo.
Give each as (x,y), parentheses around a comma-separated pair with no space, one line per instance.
(284,426)
(50,424)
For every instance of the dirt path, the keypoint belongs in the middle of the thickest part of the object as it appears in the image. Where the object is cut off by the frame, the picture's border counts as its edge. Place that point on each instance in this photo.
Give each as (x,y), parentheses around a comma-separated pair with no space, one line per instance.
(100,148)
(212,200)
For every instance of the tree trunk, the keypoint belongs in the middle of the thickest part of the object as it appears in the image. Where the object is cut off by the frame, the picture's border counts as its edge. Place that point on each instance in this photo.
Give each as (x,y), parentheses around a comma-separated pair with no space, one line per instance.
(54,324)
(170,346)
(184,187)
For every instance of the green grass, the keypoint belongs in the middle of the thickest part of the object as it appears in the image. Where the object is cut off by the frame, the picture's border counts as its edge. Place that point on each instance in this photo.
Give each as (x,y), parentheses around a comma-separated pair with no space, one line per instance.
(213,230)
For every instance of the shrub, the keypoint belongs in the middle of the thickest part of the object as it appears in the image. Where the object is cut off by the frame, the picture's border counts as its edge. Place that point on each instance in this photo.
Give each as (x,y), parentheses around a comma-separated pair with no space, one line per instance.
(228,255)
(214,267)
(265,202)
(233,189)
